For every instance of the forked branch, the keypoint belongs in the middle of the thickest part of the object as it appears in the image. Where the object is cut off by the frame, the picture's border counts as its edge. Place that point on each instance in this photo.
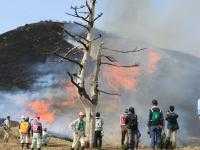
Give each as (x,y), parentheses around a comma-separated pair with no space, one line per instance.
(81,90)
(79,39)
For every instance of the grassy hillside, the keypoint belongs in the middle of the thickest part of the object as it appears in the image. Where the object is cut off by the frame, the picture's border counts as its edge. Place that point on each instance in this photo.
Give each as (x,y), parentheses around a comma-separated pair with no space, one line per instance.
(25,46)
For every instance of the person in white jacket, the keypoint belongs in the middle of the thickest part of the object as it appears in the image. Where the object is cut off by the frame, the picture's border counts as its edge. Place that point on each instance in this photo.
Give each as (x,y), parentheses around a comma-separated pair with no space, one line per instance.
(7,129)
(45,137)
(98,131)
(78,127)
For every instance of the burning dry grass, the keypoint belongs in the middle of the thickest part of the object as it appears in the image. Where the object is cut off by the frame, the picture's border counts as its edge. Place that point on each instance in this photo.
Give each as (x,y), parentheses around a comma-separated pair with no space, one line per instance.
(119,78)
(45,107)
(42,108)
(153,59)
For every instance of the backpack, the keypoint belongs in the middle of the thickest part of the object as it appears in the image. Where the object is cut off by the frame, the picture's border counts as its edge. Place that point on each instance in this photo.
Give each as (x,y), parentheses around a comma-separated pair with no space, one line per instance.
(131,121)
(155,117)
(123,119)
(24,127)
(37,127)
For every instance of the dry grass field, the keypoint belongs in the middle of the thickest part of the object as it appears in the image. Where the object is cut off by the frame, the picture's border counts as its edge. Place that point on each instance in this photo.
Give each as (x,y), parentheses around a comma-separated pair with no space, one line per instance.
(58,144)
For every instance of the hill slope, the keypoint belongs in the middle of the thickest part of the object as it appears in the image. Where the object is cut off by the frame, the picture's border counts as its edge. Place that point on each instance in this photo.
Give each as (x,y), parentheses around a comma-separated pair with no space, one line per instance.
(26,46)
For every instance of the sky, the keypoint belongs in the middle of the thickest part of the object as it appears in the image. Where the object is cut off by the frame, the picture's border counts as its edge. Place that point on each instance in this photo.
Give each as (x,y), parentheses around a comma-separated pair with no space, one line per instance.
(14,13)
(170,24)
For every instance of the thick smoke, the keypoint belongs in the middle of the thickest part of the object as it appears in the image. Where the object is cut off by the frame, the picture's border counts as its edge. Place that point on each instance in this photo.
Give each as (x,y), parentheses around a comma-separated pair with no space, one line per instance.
(171,24)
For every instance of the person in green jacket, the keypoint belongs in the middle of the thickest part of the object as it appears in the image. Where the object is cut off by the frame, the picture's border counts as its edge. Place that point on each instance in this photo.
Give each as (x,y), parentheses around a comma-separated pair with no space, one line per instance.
(78,126)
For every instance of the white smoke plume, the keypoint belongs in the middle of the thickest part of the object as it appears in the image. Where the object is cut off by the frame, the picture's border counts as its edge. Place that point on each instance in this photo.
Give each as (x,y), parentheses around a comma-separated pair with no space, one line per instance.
(170,24)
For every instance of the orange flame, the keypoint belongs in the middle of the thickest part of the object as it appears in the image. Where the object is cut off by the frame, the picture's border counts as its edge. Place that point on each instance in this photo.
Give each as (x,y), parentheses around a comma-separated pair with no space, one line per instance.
(41,108)
(153,59)
(121,78)
(72,94)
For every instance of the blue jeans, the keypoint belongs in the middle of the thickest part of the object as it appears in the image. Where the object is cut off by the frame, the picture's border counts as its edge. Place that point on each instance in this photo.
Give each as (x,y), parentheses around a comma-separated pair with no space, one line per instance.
(155,135)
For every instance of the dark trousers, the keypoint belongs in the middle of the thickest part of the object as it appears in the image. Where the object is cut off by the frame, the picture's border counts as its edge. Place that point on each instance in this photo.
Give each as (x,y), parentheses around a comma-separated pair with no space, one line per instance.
(97,139)
(132,135)
(155,135)
(123,134)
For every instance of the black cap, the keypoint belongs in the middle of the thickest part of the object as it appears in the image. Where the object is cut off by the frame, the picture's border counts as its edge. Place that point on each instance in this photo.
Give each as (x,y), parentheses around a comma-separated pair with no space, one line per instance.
(155,102)
(132,110)
(171,108)
(97,114)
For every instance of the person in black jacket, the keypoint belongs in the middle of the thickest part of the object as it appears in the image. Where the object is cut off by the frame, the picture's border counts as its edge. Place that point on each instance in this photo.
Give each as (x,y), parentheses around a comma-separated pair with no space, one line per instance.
(172,126)
(155,124)
(132,129)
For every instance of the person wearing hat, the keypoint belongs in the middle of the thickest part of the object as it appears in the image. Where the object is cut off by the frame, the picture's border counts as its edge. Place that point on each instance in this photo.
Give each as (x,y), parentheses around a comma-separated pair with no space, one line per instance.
(24,130)
(45,137)
(7,129)
(98,131)
(172,126)
(123,119)
(155,124)
(36,130)
(132,128)
(78,127)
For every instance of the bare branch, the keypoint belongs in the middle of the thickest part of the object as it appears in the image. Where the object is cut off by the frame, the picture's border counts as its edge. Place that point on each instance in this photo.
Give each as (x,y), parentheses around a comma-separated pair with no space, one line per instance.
(81,90)
(98,16)
(76,36)
(119,51)
(123,66)
(77,39)
(83,12)
(76,7)
(72,80)
(98,37)
(108,93)
(82,25)
(70,51)
(80,16)
(71,60)
(76,14)
(110,58)
(88,7)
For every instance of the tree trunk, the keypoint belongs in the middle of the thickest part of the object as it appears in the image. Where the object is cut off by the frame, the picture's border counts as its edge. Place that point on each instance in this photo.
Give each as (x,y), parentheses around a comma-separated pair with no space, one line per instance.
(90,107)
(90,124)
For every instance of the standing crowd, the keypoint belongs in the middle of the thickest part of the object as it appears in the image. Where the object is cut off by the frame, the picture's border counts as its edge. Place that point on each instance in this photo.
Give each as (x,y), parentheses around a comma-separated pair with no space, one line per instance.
(159,139)
(32,135)
(130,134)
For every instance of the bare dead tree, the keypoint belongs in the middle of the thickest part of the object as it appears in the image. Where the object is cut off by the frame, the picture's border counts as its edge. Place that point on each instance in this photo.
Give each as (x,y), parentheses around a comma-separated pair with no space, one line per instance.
(86,14)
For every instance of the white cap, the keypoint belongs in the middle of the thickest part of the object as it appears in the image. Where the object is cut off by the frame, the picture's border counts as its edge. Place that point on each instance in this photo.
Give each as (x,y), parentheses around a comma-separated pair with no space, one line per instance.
(23,117)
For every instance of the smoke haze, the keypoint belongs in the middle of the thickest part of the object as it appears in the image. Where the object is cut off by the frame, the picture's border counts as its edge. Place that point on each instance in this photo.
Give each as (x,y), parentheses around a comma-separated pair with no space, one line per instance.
(170,24)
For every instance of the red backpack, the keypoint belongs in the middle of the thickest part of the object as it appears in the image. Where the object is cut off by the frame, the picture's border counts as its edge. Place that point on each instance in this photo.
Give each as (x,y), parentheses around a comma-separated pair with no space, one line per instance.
(123,120)
(37,127)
